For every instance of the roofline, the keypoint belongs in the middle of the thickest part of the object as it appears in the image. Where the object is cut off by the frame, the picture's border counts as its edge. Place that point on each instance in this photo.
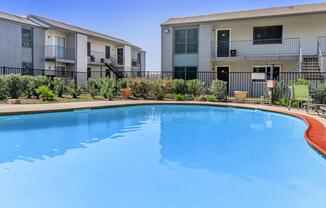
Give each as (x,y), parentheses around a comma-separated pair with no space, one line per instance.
(165,23)
(29,22)
(51,26)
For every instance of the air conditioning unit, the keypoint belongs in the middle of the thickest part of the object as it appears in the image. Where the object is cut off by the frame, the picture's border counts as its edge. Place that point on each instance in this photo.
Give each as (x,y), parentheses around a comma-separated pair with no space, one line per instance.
(233,53)
(102,60)
(92,58)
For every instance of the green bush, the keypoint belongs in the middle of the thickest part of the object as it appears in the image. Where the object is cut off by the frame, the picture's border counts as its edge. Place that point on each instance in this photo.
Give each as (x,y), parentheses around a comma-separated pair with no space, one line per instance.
(141,87)
(25,80)
(58,86)
(179,86)
(300,81)
(179,97)
(36,82)
(125,83)
(160,88)
(321,94)
(14,85)
(45,93)
(73,89)
(108,88)
(3,88)
(196,87)
(284,101)
(218,88)
(93,87)
(211,98)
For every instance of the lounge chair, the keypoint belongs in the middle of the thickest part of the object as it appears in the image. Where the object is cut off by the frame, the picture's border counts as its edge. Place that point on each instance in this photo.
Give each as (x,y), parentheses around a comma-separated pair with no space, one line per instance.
(300,93)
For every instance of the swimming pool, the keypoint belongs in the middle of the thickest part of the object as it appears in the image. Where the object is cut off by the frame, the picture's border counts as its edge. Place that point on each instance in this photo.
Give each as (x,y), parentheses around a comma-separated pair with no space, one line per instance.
(159,156)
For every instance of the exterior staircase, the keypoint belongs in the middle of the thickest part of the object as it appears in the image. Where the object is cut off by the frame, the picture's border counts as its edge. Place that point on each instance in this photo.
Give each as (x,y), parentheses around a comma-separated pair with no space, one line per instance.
(112,66)
(310,68)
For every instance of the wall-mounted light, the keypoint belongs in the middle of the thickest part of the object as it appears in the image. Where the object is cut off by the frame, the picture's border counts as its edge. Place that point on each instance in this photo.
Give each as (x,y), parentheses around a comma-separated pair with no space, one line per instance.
(49,36)
(166,30)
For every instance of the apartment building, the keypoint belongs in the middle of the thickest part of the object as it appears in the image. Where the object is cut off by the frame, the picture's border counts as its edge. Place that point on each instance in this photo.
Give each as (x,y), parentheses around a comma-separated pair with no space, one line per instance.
(53,47)
(264,42)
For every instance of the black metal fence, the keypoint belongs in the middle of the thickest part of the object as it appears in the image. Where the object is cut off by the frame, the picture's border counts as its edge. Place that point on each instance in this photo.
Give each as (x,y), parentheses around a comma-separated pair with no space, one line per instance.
(253,83)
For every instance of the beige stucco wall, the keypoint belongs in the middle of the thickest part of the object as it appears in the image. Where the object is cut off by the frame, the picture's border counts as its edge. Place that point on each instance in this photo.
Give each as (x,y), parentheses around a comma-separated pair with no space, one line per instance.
(247,66)
(305,27)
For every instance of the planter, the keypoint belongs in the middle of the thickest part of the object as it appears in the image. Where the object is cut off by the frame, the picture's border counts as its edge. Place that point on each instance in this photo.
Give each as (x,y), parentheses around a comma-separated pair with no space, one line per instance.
(240,96)
(125,92)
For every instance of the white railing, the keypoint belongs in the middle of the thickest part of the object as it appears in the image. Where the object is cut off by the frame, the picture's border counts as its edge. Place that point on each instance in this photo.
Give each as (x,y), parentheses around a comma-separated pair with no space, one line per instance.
(300,59)
(321,60)
(250,48)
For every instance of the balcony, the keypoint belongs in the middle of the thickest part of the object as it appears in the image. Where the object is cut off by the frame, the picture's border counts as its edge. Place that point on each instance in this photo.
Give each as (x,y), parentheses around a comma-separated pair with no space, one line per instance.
(97,58)
(322,44)
(59,54)
(279,49)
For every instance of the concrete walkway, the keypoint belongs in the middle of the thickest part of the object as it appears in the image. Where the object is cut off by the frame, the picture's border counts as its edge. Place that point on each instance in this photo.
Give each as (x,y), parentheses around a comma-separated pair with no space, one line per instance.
(6,109)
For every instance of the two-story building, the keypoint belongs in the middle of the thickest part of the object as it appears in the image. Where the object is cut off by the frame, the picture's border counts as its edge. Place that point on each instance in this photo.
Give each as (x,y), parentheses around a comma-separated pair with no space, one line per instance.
(279,39)
(55,48)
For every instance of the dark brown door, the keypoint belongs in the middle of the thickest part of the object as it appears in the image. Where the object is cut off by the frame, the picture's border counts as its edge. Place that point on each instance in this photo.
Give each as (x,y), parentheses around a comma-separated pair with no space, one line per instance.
(223,43)
(223,74)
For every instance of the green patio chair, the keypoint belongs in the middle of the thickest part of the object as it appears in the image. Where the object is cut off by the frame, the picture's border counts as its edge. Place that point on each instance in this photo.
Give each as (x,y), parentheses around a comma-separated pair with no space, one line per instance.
(299,93)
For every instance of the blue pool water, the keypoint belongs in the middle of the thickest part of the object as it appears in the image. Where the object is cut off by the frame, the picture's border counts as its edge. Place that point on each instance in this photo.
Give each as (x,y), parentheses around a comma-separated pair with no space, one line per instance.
(168,156)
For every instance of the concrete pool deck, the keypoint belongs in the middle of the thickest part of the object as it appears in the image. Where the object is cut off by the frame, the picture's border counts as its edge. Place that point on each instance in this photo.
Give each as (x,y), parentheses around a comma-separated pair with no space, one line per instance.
(315,133)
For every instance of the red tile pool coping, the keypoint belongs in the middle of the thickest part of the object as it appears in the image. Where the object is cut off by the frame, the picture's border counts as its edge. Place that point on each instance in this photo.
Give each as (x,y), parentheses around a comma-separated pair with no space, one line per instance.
(315,133)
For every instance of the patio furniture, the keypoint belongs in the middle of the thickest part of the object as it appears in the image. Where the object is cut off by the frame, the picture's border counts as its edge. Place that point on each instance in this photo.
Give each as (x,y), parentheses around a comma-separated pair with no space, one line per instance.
(300,93)
(323,111)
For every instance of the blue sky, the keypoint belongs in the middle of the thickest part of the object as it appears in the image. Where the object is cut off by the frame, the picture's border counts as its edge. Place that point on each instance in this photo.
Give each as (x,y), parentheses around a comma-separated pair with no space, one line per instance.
(137,21)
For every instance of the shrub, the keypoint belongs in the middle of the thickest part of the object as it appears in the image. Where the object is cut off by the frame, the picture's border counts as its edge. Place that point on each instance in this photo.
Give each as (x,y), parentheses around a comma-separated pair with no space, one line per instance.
(211,98)
(108,88)
(25,81)
(58,86)
(3,88)
(284,101)
(45,93)
(196,87)
(125,83)
(179,86)
(93,87)
(321,94)
(179,97)
(140,87)
(276,92)
(14,85)
(300,81)
(218,88)
(36,82)
(160,88)
(73,89)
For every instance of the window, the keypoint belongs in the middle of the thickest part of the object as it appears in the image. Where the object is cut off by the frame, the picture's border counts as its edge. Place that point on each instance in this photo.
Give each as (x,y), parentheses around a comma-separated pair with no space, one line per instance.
(27,48)
(268,35)
(186,41)
(89,73)
(27,38)
(186,73)
(60,46)
(262,73)
(88,49)
(107,52)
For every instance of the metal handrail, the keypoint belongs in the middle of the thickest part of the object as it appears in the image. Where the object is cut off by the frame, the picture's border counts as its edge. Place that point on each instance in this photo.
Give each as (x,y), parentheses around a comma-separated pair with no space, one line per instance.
(321,60)
(55,51)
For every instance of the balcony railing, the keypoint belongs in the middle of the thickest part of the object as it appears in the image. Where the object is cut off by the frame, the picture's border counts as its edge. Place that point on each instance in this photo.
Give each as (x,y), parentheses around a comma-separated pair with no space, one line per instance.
(59,52)
(97,57)
(256,48)
(135,62)
(322,44)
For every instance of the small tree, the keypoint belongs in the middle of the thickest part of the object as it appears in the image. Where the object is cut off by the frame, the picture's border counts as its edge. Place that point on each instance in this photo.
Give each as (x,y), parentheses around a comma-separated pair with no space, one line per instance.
(196,87)
(108,88)
(218,88)
(73,89)
(93,87)
(59,87)
(14,85)
(179,86)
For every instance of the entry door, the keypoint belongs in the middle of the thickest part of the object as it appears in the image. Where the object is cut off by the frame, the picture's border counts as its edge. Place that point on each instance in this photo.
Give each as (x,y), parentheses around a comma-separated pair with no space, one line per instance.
(120,56)
(223,74)
(223,43)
